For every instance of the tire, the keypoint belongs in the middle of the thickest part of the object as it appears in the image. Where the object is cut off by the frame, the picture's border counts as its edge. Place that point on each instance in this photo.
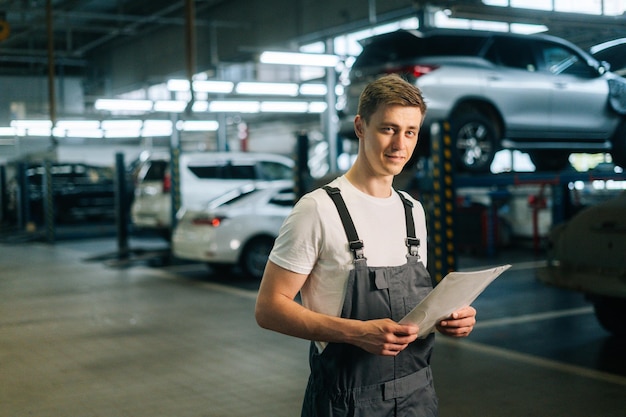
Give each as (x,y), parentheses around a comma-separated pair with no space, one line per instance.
(610,312)
(549,160)
(618,153)
(475,142)
(255,255)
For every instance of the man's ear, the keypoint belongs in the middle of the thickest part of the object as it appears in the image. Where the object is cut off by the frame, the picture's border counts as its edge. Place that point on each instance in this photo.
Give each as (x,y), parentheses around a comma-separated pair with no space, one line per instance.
(358,126)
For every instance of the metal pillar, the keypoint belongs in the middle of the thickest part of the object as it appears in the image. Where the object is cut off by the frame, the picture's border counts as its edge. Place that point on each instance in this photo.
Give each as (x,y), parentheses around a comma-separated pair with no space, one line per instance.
(175,174)
(442,227)
(48,202)
(121,207)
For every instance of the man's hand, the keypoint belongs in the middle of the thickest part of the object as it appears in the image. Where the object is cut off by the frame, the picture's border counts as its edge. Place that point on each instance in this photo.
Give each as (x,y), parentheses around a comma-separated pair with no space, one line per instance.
(385,337)
(459,324)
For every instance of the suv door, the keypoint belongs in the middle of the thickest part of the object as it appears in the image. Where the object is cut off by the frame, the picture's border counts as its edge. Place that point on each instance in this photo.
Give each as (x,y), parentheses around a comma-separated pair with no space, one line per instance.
(578,105)
(520,91)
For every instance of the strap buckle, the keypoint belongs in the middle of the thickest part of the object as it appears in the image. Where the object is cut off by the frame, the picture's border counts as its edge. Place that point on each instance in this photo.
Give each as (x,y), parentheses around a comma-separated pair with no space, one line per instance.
(356,246)
(413,244)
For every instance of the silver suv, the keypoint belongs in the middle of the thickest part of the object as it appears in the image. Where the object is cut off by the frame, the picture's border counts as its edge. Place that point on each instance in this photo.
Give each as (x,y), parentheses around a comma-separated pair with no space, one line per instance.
(535,93)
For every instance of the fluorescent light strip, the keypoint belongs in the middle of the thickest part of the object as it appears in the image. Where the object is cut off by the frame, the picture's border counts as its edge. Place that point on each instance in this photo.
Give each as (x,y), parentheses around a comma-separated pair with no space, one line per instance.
(121,125)
(77,124)
(197,125)
(31,124)
(170,106)
(294,58)
(202,86)
(8,131)
(234,106)
(313,89)
(123,105)
(285,106)
(281,89)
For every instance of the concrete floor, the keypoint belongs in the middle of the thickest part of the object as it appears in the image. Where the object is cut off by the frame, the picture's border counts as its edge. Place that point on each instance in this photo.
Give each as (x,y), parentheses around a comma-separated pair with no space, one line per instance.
(89,338)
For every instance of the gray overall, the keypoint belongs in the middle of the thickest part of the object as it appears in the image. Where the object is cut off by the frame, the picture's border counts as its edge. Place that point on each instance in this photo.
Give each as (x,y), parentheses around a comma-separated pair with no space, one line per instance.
(347,381)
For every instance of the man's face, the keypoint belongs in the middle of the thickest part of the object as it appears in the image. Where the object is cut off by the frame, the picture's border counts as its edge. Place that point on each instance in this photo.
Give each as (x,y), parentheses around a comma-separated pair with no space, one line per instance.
(389,139)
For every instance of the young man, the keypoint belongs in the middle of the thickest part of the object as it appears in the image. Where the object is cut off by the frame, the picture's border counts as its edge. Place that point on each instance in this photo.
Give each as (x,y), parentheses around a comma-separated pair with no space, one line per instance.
(356,252)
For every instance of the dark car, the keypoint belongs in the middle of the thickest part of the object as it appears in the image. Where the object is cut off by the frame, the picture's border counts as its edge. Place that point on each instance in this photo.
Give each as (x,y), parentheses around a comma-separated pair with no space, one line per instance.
(535,93)
(80,192)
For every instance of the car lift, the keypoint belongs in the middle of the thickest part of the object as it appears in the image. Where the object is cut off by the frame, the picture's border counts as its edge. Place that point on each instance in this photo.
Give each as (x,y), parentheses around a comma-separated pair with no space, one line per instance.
(439,185)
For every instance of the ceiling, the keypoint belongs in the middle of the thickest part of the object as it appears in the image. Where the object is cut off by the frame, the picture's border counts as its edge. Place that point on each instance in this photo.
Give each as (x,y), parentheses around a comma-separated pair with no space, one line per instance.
(81,29)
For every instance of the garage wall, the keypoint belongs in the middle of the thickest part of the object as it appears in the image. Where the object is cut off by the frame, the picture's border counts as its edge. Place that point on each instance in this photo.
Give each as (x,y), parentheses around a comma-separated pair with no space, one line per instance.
(231,32)
(27,97)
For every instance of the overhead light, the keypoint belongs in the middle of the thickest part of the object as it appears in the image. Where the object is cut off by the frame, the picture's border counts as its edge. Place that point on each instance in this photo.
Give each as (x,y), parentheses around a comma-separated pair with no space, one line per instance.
(152,128)
(80,133)
(202,86)
(178,85)
(198,125)
(122,133)
(123,105)
(8,131)
(313,89)
(295,58)
(317,107)
(200,106)
(234,106)
(31,124)
(284,106)
(77,124)
(208,86)
(39,131)
(121,125)
(170,106)
(282,89)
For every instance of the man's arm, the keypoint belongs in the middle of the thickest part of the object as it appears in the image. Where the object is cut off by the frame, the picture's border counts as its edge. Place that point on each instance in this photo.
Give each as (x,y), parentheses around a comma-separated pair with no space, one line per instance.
(276,309)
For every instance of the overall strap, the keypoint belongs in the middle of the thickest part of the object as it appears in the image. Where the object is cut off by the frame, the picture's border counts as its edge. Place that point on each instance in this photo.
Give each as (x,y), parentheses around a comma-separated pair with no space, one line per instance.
(412,242)
(356,245)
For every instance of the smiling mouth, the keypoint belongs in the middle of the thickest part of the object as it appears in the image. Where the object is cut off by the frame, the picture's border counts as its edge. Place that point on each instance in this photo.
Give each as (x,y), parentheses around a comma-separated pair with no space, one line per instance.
(395,157)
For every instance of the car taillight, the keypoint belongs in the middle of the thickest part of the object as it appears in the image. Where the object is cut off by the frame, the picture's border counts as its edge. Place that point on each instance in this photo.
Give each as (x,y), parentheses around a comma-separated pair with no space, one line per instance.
(167,182)
(213,221)
(413,70)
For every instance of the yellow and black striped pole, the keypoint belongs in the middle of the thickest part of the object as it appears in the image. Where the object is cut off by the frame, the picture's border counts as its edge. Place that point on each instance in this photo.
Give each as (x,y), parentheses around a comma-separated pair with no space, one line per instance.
(442,216)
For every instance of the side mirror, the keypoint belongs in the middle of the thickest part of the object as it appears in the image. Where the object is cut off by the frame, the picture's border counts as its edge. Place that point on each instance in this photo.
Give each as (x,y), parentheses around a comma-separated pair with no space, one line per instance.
(604,67)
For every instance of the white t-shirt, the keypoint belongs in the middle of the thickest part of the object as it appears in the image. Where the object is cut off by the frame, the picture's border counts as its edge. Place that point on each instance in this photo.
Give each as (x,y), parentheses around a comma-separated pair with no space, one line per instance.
(312,241)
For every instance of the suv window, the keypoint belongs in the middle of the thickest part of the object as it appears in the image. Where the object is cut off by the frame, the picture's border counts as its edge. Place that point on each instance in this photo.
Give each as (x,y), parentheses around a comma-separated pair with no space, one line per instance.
(403,45)
(560,60)
(512,53)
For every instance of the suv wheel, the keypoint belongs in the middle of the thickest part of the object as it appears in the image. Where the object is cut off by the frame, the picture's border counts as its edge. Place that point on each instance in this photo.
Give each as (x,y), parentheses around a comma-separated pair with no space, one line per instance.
(254,256)
(475,142)
(610,312)
(549,160)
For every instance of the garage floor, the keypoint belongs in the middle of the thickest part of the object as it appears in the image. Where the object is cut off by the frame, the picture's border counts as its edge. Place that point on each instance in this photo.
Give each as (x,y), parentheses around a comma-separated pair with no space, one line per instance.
(84,337)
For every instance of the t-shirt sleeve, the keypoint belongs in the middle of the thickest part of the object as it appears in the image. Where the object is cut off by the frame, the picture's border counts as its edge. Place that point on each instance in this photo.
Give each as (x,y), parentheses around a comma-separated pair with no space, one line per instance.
(298,243)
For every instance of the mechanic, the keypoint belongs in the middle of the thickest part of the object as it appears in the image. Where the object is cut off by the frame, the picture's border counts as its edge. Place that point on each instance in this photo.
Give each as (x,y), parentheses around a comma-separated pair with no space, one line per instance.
(355,250)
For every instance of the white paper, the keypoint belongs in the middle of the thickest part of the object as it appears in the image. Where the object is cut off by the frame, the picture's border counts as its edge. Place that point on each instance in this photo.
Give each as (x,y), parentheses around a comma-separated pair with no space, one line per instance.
(456,290)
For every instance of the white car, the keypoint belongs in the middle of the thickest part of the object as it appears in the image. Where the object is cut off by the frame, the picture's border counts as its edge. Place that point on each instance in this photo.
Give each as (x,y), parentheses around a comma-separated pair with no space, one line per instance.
(236,228)
(203,176)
